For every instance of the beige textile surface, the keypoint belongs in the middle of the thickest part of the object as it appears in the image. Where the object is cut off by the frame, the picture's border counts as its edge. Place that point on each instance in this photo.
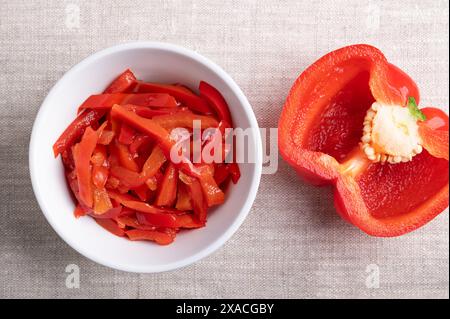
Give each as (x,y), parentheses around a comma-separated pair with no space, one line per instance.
(292,244)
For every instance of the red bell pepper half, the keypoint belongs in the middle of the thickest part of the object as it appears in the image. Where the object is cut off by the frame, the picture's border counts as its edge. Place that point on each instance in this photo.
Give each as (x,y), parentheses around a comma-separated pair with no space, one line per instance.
(329,115)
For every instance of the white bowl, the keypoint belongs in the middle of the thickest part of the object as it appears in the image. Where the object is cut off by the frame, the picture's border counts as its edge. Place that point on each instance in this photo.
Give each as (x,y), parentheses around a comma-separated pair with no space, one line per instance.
(153,62)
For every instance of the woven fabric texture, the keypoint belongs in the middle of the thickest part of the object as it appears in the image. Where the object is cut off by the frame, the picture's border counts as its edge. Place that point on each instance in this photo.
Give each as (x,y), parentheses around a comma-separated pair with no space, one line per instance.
(293,244)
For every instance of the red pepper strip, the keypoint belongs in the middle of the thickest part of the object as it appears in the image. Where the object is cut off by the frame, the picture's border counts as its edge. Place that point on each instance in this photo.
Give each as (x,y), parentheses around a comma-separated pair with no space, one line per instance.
(128,178)
(319,135)
(139,141)
(174,220)
(102,203)
(233,168)
(123,83)
(143,192)
(100,176)
(198,201)
(100,173)
(67,158)
(221,173)
(111,226)
(111,213)
(153,163)
(183,199)
(126,158)
(184,88)
(152,183)
(235,172)
(151,215)
(161,238)
(127,135)
(79,211)
(155,131)
(212,193)
(112,183)
(106,137)
(190,221)
(168,190)
(184,119)
(150,113)
(82,153)
(71,178)
(191,100)
(216,101)
(131,221)
(75,130)
(106,101)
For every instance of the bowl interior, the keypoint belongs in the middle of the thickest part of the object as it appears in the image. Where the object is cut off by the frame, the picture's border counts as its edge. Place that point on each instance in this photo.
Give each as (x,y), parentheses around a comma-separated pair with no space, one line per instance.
(152,62)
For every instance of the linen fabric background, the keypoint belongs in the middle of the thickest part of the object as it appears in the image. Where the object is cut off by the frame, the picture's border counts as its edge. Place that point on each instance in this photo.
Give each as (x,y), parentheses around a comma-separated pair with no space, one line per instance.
(293,244)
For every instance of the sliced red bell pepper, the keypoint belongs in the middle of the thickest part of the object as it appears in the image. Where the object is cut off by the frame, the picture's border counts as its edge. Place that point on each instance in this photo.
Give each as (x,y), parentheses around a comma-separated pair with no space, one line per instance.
(127,135)
(183,198)
(168,190)
(152,183)
(235,172)
(221,173)
(191,100)
(320,131)
(106,137)
(125,158)
(143,192)
(123,83)
(106,101)
(75,130)
(100,175)
(198,200)
(112,213)
(82,153)
(114,157)
(112,182)
(169,220)
(185,120)
(130,220)
(138,142)
(151,215)
(111,226)
(102,203)
(160,237)
(151,112)
(216,101)
(212,193)
(157,132)
(79,211)
(153,163)
(128,178)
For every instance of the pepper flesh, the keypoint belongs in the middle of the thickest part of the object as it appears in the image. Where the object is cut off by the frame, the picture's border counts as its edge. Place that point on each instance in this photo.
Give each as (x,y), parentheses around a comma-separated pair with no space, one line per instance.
(124,82)
(319,133)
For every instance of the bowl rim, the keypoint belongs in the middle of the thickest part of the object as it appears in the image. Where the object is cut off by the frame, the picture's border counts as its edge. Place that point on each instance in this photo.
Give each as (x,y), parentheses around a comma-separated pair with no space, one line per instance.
(245,209)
